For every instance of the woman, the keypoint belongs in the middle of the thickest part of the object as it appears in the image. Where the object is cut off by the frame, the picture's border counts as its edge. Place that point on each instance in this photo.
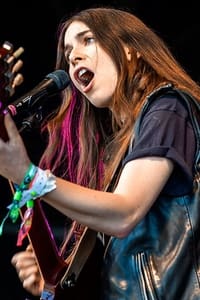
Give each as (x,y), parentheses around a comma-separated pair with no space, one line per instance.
(106,176)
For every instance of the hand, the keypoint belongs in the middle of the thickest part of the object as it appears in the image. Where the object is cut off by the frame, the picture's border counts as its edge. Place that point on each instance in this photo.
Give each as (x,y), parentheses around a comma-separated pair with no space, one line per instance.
(14,160)
(28,271)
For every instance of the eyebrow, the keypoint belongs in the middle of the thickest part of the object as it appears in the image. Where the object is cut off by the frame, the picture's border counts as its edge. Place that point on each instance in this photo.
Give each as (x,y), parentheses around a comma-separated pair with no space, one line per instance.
(77,37)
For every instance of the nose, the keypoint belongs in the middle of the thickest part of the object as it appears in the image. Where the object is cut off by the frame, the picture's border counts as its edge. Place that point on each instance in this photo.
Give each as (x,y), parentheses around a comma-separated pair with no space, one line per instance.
(75,57)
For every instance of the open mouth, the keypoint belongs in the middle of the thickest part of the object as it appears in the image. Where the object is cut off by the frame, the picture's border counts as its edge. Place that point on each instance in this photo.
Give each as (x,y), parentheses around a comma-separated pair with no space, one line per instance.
(84,76)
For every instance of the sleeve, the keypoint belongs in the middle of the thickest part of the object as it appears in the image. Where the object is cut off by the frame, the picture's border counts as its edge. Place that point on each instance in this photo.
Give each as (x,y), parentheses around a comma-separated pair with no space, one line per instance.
(166,131)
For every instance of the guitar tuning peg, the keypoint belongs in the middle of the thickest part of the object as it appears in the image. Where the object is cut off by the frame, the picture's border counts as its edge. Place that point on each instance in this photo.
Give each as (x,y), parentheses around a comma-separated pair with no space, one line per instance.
(17,66)
(17,80)
(12,58)
(9,90)
(18,52)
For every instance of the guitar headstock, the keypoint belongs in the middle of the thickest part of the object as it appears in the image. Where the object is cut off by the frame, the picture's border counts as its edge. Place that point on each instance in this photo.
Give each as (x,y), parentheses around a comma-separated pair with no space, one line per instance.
(10,78)
(10,64)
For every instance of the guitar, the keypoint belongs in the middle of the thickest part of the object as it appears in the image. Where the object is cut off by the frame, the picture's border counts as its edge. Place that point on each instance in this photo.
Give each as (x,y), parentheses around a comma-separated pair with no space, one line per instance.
(64,277)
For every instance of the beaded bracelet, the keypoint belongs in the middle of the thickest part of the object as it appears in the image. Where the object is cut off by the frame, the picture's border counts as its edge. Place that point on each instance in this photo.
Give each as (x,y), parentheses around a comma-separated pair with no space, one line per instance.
(36,183)
(24,185)
(14,211)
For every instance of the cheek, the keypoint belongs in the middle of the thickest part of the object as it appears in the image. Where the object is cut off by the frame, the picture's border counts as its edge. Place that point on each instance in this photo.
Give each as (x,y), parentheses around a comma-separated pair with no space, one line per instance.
(110,79)
(109,70)
(71,76)
(70,73)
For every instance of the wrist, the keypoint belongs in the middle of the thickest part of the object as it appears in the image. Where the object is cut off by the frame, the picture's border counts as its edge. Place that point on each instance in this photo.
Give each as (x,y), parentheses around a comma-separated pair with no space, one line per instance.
(23,171)
(34,185)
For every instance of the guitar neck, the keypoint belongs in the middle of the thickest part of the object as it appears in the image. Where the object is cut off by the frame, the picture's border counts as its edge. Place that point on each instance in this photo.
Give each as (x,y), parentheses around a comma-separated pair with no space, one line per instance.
(9,78)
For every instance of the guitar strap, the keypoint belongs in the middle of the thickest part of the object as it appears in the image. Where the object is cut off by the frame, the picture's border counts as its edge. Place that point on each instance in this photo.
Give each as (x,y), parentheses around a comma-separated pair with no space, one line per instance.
(87,243)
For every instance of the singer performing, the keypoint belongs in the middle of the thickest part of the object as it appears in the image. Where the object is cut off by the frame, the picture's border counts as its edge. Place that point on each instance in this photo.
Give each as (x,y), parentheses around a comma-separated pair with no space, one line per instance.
(121,161)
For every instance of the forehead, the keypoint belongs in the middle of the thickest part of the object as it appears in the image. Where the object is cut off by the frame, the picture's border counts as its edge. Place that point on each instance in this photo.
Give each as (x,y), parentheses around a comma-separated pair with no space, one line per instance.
(73,31)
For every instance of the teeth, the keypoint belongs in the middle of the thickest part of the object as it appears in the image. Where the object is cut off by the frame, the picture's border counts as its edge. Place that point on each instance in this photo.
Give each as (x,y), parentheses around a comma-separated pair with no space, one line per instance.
(81,72)
(84,76)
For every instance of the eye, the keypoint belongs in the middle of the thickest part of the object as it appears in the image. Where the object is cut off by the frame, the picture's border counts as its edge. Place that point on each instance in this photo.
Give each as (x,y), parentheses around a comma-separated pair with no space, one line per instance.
(89,40)
(67,55)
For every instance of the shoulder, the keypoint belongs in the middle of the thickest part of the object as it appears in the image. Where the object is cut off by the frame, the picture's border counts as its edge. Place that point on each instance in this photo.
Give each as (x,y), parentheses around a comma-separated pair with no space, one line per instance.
(165,130)
(163,113)
(161,110)
(168,101)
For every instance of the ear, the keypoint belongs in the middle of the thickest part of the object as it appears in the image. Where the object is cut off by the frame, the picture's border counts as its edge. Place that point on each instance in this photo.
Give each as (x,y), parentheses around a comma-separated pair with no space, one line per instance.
(128,53)
(138,55)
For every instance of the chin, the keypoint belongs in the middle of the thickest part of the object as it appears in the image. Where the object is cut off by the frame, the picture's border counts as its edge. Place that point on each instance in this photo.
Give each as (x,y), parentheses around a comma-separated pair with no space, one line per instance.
(99,102)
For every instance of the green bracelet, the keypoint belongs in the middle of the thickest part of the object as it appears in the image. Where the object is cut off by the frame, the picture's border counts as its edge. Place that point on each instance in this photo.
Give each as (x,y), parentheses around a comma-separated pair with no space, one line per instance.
(24,185)
(28,177)
(14,208)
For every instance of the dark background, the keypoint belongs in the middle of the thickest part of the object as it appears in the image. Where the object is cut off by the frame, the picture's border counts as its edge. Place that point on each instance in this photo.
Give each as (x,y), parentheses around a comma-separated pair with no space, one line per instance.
(33,25)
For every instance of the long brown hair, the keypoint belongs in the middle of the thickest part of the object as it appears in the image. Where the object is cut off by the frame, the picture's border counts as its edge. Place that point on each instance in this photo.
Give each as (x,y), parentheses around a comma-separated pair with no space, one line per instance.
(101,138)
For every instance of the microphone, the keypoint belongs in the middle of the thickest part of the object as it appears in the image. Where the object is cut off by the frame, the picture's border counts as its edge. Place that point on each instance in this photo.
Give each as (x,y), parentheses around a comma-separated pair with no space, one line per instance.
(53,83)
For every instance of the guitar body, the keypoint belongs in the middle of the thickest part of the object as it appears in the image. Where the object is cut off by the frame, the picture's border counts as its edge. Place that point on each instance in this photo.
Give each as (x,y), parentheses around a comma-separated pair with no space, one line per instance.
(53,267)
(87,286)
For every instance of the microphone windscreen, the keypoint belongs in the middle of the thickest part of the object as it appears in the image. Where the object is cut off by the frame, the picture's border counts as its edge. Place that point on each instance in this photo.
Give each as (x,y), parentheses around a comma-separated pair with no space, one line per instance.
(60,78)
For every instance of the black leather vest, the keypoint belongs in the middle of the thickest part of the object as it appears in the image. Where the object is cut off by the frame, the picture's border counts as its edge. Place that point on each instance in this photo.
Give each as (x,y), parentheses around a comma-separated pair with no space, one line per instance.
(160,258)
